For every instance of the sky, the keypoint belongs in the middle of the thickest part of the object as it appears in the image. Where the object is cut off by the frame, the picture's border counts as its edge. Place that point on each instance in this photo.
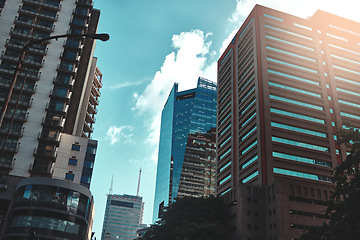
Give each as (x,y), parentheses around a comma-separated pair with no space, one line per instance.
(152,45)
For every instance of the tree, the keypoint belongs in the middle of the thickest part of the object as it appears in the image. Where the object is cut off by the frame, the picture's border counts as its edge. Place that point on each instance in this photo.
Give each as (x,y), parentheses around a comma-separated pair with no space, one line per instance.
(191,218)
(344,206)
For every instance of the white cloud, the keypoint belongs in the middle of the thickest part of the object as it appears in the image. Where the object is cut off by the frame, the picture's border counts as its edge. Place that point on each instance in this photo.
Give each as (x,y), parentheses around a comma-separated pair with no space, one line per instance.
(117,134)
(184,66)
(123,85)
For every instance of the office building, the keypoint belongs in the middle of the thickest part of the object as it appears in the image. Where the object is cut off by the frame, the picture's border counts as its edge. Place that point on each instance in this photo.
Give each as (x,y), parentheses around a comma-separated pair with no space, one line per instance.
(285,85)
(198,171)
(186,112)
(50,115)
(123,217)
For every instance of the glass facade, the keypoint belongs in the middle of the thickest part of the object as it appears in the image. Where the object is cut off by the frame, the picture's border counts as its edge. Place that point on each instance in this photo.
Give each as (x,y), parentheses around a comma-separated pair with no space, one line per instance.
(49,207)
(187,112)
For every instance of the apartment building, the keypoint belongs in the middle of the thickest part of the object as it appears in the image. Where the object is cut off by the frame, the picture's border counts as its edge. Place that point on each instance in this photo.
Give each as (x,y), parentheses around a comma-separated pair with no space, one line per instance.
(49,118)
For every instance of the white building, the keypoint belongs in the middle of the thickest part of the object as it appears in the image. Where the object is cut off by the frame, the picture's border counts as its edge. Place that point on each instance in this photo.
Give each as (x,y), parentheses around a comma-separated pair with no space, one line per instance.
(123,217)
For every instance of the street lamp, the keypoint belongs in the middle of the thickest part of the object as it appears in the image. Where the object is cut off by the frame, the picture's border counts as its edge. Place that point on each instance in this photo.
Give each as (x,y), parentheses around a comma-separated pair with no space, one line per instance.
(103,37)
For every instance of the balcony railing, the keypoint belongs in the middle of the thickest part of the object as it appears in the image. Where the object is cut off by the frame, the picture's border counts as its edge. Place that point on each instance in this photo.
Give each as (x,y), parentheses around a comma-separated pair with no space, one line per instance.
(44,4)
(37,14)
(53,107)
(43,152)
(41,169)
(35,25)
(52,122)
(46,137)
(14,132)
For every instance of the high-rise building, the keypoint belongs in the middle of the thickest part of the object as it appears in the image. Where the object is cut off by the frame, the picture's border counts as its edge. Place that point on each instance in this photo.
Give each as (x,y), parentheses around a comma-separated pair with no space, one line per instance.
(285,85)
(187,112)
(123,217)
(50,115)
(198,171)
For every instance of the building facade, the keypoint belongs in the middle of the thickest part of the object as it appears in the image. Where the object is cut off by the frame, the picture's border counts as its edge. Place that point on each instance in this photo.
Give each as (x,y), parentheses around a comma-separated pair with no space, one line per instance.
(187,112)
(51,209)
(198,171)
(285,85)
(123,217)
(50,115)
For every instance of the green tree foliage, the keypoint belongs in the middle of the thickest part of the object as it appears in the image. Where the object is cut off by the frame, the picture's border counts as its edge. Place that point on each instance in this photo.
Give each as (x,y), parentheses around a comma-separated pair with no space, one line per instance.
(344,206)
(192,219)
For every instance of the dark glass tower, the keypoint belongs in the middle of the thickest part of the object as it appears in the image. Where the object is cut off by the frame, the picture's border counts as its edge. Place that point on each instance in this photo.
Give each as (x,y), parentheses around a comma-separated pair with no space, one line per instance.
(187,112)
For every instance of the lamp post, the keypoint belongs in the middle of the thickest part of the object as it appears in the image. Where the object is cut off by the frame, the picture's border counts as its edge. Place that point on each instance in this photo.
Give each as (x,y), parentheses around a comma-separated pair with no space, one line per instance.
(103,37)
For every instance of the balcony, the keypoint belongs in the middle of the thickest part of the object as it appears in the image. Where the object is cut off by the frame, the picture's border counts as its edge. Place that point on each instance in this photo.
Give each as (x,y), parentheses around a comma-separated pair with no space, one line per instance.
(60,94)
(86,3)
(31,62)
(64,82)
(87,128)
(91,109)
(95,92)
(78,22)
(89,118)
(51,122)
(42,169)
(10,57)
(31,49)
(34,24)
(12,132)
(26,34)
(73,44)
(93,101)
(11,147)
(23,103)
(30,74)
(37,14)
(56,108)
(43,3)
(48,138)
(70,58)
(68,68)
(81,13)
(45,153)
(7,165)
(27,89)
(17,117)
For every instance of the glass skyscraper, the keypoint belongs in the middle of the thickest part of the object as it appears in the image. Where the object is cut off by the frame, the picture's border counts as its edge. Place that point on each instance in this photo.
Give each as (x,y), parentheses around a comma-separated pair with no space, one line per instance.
(186,112)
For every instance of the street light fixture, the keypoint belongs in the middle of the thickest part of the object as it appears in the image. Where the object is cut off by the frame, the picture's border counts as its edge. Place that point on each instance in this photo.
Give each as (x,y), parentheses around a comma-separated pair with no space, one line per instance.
(103,37)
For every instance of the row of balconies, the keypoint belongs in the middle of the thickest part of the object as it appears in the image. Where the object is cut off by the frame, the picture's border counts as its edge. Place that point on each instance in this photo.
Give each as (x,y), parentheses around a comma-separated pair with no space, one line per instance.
(27,34)
(30,49)
(44,3)
(12,132)
(34,25)
(38,14)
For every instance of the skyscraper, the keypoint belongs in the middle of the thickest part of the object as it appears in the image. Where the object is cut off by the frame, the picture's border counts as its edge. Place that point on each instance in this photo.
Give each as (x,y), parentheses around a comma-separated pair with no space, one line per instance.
(123,217)
(187,112)
(285,85)
(49,119)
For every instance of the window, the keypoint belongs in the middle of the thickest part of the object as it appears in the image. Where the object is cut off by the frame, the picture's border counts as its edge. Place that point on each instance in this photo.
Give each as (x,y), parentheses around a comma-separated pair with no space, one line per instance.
(75,147)
(73,161)
(69,176)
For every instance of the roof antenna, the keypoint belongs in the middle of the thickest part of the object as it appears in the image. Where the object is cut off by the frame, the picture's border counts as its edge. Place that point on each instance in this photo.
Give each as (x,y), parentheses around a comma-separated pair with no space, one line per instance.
(137,193)
(111,185)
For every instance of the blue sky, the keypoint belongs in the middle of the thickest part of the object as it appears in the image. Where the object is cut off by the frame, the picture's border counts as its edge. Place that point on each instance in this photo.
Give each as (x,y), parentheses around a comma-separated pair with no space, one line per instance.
(154,44)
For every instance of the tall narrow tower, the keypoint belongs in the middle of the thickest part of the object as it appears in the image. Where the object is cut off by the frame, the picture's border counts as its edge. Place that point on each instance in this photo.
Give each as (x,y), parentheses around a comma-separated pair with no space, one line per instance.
(285,85)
